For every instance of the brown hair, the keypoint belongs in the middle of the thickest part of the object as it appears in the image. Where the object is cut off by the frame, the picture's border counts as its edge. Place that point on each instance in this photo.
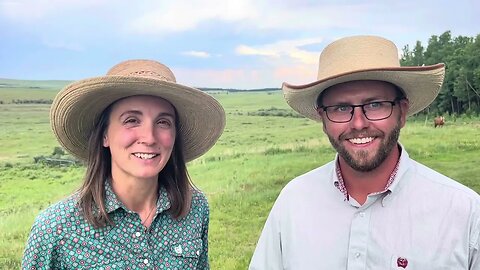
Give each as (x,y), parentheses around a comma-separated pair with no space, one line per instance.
(173,177)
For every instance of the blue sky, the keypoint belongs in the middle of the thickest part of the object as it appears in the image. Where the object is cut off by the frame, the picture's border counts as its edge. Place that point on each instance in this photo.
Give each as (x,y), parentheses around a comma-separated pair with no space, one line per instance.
(213,43)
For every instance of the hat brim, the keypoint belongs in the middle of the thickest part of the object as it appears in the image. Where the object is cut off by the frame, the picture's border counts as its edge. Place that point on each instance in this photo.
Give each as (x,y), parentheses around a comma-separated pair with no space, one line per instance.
(421,86)
(77,108)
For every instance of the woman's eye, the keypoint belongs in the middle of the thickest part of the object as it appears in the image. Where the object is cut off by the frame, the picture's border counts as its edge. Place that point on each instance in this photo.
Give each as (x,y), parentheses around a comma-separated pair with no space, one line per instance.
(164,123)
(130,121)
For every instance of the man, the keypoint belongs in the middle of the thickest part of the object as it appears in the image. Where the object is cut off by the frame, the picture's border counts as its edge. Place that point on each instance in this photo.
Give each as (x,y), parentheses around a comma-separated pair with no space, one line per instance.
(372,207)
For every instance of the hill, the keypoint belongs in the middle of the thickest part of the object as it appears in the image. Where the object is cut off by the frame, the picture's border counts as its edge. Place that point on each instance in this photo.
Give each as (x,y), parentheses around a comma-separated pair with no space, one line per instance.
(32,84)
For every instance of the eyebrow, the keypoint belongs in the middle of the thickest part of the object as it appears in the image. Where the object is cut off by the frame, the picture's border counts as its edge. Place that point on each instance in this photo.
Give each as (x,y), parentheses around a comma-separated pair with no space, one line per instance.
(136,112)
(365,101)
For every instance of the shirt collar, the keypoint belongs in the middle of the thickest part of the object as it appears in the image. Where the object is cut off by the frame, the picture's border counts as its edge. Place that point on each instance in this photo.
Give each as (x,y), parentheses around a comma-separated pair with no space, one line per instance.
(112,202)
(339,183)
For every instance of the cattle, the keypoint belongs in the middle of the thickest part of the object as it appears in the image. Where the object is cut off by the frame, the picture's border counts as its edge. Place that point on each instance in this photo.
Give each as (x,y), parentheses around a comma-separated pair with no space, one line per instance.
(439,121)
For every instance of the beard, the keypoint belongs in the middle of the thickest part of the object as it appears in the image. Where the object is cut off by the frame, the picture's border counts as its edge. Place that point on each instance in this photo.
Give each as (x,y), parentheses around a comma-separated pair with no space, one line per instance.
(366,161)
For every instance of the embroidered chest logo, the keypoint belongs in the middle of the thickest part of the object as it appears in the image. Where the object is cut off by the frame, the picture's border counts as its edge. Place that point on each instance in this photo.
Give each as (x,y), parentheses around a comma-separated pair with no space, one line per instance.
(402,262)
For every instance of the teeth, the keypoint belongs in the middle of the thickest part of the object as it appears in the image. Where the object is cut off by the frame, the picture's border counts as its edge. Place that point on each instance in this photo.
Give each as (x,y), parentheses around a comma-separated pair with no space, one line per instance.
(145,156)
(361,140)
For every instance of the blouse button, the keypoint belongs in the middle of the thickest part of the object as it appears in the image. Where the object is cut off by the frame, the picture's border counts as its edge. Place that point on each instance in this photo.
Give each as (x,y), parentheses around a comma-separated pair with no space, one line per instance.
(145,261)
(137,234)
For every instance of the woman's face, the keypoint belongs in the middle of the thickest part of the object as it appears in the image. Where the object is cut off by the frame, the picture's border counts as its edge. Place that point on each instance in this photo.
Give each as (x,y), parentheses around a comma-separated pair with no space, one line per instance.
(140,135)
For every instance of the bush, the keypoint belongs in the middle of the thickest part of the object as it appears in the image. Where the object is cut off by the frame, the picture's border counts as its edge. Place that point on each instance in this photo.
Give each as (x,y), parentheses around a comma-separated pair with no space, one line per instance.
(58,151)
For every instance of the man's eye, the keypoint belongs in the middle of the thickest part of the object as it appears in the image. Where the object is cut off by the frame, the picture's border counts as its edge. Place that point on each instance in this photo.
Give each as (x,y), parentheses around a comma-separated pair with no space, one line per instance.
(342,108)
(374,105)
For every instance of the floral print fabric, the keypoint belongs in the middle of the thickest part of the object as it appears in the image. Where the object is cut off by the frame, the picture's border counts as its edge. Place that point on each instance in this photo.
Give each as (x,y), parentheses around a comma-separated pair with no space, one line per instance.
(62,239)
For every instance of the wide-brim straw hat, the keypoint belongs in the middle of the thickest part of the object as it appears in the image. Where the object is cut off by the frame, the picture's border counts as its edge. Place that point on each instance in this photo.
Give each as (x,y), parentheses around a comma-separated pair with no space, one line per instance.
(366,58)
(77,107)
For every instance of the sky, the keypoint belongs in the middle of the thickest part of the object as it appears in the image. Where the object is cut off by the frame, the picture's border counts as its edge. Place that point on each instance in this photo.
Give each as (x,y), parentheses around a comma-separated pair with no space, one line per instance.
(244,44)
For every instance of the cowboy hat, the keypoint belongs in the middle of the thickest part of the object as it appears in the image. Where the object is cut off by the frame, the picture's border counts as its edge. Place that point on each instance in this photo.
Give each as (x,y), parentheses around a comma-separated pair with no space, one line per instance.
(366,58)
(77,107)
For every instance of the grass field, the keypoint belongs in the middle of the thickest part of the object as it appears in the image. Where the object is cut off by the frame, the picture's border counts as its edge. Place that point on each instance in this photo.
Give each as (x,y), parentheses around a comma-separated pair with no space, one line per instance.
(241,175)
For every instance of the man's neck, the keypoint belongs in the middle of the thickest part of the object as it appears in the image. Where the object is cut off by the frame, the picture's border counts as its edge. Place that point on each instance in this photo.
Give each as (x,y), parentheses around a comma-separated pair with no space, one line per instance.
(360,184)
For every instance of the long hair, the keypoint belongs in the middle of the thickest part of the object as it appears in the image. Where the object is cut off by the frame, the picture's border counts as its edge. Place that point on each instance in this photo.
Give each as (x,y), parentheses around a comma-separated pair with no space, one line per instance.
(173,177)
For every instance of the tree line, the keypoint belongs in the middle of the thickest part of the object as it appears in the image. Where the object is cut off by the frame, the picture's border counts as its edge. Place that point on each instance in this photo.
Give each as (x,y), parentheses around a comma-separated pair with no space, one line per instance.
(460,93)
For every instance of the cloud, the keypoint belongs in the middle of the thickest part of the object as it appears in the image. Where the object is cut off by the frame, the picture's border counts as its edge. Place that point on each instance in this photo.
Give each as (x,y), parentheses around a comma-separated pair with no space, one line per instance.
(28,11)
(198,54)
(247,50)
(247,78)
(63,45)
(285,48)
(182,15)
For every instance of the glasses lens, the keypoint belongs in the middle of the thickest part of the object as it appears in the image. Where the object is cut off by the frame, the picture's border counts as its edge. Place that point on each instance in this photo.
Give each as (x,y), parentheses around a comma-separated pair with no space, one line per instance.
(378,110)
(341,113)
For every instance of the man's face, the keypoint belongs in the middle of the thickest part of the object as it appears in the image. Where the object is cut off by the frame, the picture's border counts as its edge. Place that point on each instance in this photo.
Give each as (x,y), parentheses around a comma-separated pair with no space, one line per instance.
(364,144)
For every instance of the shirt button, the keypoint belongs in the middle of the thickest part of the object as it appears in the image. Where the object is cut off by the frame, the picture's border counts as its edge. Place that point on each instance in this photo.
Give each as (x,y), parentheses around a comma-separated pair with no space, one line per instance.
(362,214)
(137,234)
(145,261)
(357,255)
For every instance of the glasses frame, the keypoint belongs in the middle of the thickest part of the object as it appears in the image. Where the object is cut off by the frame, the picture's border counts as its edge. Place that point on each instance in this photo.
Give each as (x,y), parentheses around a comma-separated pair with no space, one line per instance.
(352,111)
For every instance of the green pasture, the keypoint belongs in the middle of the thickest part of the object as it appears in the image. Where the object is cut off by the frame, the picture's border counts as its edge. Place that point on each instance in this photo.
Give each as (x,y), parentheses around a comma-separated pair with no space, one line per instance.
(259,152)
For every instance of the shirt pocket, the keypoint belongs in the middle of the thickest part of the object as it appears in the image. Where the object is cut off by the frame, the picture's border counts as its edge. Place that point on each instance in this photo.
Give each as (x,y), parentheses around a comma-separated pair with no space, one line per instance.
(410,263)
(185,254)
(187,249)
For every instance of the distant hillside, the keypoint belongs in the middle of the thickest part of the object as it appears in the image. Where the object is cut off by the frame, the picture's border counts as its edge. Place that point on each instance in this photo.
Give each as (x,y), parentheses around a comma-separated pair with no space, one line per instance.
(206,89)
(33,84)
(58,84)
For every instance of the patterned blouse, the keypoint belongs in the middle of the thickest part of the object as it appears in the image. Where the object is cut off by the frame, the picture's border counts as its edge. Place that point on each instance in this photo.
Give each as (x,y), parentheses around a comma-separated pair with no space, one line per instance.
(62,239)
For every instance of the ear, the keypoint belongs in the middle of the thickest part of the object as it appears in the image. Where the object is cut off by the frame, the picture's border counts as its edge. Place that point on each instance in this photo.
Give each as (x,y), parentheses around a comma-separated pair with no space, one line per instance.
(404,106)
(105,141)
(323,117)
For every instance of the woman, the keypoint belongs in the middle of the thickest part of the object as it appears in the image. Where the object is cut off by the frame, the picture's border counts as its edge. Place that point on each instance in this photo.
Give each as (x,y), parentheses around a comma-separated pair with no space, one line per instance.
(135,128)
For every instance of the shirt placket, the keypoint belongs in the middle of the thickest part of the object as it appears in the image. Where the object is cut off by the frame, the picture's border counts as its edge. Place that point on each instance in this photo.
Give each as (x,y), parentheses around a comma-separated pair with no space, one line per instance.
(359,235)
(140,239)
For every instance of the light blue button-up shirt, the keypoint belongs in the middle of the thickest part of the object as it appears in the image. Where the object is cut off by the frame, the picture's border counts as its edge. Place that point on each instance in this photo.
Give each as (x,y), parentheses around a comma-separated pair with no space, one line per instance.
(424,220)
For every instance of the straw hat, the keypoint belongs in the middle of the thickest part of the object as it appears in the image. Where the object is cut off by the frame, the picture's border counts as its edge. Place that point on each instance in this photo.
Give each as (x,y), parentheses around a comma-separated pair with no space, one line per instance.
(366,58)
(77,107)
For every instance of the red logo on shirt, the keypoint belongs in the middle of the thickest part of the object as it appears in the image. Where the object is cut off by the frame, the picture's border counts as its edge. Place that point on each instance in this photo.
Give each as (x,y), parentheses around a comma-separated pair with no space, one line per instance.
(402,262)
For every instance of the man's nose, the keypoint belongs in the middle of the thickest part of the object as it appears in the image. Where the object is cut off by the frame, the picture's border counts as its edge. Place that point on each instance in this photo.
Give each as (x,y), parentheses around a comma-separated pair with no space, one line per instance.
(359,120)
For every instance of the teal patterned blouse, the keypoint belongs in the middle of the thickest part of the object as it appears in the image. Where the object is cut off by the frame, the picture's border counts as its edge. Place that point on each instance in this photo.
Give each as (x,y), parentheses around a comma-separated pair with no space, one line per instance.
(62,239)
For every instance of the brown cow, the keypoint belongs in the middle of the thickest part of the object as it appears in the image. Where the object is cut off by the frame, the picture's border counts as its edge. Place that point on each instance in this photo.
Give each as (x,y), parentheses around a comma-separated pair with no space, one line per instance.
(439,121)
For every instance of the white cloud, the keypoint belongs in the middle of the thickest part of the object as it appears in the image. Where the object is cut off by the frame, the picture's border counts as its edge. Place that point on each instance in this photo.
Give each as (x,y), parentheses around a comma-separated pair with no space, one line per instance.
(182,15)
(198,54)
(160,17)
(285,48)
(247,50)
(226,78)
(247,78)
(27,11)
(63,45)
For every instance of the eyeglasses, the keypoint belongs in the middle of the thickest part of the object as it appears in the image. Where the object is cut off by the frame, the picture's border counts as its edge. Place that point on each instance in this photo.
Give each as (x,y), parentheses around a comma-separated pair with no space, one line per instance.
(373,111)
